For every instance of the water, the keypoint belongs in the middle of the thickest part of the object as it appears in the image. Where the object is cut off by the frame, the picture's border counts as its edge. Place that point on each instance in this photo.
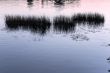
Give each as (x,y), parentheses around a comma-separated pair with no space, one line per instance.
(52,36)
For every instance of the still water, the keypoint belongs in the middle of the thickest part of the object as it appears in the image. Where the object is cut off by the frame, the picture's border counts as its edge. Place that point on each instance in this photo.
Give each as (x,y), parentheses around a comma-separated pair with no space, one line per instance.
(54,36)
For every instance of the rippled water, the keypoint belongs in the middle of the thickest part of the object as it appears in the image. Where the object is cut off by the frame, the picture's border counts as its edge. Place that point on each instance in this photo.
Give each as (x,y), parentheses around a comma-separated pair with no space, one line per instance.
(54,36)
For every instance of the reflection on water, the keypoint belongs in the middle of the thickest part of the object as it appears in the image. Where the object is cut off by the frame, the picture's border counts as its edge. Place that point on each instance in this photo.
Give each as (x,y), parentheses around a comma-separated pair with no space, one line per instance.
(42,3)
(60,24)
(65,24)
(36,25)
(91,19)
(54,36)
(59,2)
(30,3)
(108,59)
(79,37)
(63,2)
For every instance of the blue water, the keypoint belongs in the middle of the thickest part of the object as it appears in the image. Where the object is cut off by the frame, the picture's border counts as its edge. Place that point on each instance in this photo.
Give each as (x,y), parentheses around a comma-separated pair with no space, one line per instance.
(81,47)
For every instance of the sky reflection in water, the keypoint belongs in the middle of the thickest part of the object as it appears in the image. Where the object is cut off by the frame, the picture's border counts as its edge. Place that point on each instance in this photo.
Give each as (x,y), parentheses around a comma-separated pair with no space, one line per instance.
(54,36)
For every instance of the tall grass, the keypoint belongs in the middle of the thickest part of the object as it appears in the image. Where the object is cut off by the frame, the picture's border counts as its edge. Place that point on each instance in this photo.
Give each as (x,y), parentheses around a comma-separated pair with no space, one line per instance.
(67,24)
(90,19)
(63,24)
(60,23)
(34,24)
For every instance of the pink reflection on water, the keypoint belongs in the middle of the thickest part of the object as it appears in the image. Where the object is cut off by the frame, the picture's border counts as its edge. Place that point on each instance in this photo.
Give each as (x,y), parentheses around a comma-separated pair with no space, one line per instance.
(49,9)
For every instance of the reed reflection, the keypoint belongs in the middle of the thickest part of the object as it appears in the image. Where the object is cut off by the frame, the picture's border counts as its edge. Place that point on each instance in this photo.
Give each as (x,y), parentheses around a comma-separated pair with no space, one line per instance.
(58,3)
(36,25)
(30,3)
(60,24)
(64,24)
(91,20)
(63,2)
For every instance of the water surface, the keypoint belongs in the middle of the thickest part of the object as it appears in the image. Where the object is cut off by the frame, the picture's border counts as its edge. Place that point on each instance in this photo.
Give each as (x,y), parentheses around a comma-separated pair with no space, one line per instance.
(53,36)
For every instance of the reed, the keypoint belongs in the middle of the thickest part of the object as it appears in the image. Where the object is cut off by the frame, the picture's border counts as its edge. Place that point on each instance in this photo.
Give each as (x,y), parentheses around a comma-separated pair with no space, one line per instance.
(92,19)
(60,23)
(63,24)
(34,24)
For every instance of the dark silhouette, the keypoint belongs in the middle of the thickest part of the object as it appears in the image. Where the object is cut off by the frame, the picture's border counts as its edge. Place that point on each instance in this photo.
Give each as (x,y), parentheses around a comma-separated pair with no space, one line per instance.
(60,24)
(63,2)
(108,58)
(63,24)
(30,3)
(59,2)
(37,25)
(68,24)
(92,19)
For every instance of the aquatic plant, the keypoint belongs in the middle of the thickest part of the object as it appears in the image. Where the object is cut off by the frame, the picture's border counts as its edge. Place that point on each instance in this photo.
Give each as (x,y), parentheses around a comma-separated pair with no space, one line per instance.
(92,20)
(68,24)
(63,24)
(60,23)
(34,24)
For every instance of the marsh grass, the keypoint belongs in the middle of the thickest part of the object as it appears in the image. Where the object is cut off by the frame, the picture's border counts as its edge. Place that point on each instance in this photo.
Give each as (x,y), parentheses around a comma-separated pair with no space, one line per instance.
(60,23)
(68,24)
(63,24)
(36,25)
(92,20)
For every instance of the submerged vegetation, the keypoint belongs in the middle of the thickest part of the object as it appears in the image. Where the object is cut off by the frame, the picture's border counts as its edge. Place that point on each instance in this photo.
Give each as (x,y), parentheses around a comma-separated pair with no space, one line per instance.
(60,24)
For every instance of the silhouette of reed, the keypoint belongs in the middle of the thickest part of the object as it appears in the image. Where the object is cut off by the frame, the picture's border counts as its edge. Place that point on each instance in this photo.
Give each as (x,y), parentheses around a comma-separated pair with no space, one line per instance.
(68,24)
(62,2)
(63,24)
(30,3)
(37,25)
(59,2)
(92,20)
